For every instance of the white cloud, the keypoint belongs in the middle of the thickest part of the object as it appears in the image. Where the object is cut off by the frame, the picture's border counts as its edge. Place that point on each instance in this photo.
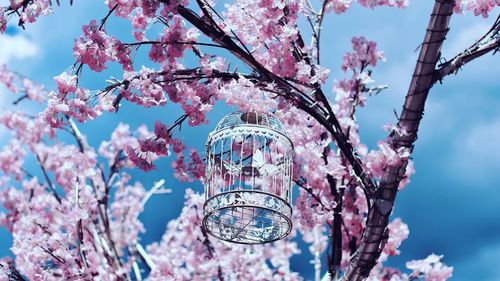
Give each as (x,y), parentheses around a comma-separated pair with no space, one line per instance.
(380,108)
(16,47)
(12,48)
(476,155)
(466,37)
(483,69)
(481,265)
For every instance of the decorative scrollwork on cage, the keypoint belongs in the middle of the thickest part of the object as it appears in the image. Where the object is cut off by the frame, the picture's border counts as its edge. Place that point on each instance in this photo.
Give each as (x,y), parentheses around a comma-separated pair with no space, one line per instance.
(248,181)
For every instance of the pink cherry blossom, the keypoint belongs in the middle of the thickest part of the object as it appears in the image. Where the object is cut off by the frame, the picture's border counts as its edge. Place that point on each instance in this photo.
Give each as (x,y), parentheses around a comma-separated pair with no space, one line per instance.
(26,129)
(398,232)
(479,7)
(338,6)
(121,138)
(96,48)
(249,98)
(161,131)
(12,160)
(76,214)
(33,91)
(430,268)
(385,156)
(138,160)
(149,93)
(35,9)
(125,210)
(7,78)
(365,53)
(3,21)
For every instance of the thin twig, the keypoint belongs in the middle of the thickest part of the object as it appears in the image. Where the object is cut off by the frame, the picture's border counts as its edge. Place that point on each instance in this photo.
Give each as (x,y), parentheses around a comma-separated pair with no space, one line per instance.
(46,176)
(103,21)
(476,50)
(156,187)
(310,192)
(144,255)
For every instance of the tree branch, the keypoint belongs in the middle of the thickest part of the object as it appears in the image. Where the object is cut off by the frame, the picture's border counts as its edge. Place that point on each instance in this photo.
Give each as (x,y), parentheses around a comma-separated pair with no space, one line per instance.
(144,256)
(12,272)
(334,258)
(103,20)
(210,248)
(156,187)
(317,28)
(46,176)
(79,137)
(302,101)
(139,43)
(302,185)
(83,146)
(489,42)
(376,233)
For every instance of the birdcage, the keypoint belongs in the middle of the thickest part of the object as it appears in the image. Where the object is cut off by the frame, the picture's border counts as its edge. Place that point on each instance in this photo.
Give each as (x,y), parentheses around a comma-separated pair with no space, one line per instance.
(248,182)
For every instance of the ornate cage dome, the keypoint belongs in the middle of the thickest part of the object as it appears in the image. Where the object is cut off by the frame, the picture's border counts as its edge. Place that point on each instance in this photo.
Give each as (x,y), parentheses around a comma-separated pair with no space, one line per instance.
(248,182)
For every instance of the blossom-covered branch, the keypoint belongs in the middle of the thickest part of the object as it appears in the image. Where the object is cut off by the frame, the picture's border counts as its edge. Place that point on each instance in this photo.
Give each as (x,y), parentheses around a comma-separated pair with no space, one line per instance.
(291,92)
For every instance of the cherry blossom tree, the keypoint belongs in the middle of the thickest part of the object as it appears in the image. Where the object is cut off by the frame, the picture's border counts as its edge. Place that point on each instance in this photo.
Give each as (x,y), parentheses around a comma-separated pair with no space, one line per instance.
(77,217)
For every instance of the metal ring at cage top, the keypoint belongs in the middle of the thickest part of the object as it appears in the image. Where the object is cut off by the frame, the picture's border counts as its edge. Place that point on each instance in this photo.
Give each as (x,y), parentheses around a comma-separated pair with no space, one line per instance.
(226,132)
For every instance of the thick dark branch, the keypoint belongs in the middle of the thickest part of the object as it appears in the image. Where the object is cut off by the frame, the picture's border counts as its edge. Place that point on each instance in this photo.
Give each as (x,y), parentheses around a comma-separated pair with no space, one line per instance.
(301,100)
(375,233)
(139,43)
(215,33)
(489,42)
(11,271)
(334,258)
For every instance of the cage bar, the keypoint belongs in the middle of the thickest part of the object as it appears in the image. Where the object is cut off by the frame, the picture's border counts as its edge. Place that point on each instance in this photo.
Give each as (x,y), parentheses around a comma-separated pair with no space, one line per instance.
(248,179)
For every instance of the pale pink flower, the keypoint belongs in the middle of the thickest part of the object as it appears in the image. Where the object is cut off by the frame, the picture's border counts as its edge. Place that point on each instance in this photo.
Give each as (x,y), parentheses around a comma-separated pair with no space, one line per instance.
(430,268)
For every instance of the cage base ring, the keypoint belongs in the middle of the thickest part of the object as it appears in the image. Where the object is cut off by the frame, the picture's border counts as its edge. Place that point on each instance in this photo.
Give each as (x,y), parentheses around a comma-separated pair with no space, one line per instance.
(239,222)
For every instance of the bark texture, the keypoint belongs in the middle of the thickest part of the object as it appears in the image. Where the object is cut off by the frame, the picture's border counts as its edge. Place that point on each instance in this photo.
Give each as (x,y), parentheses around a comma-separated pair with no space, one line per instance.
(375,233)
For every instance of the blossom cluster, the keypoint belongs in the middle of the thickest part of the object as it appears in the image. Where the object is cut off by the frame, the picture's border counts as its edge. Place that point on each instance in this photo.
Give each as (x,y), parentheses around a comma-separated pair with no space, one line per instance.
(79,219)
(27,11)
(143,151)
(96,48)
(430,268)
(60,230)
(479,7)
(60,105)
(186,252)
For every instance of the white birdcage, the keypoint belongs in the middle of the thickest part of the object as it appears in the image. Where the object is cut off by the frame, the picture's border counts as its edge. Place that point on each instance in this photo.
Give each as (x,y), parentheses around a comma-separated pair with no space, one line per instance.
(248,183)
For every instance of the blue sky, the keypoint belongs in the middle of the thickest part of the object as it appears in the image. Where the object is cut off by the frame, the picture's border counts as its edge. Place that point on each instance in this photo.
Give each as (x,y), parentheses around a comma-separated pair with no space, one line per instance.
(452,205)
